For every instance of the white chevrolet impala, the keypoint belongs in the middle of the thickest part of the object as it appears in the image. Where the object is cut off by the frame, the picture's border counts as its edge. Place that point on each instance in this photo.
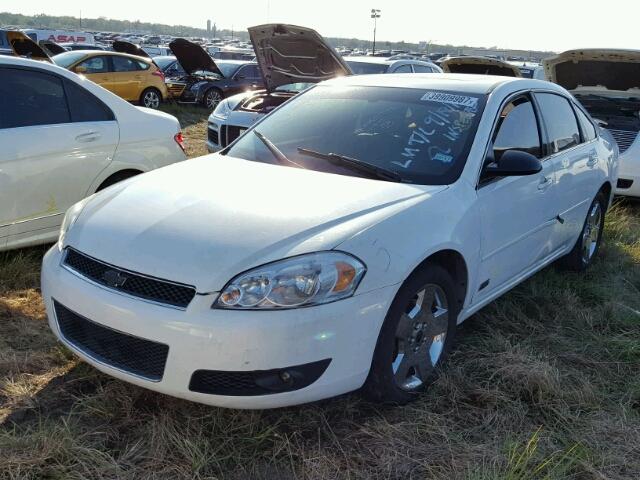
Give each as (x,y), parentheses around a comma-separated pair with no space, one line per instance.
(334,246)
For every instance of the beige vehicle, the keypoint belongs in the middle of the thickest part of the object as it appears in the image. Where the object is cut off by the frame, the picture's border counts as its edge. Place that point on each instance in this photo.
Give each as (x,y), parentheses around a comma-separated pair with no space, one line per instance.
(480,66)
(607,83)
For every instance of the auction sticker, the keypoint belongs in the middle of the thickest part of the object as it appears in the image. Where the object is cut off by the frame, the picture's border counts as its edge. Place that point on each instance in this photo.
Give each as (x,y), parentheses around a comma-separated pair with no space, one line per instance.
(451,99)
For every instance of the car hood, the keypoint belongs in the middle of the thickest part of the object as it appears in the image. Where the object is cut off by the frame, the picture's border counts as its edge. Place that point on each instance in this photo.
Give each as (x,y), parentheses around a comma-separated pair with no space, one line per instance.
(595,69)
(291,54)
(130,48)
(23,46)
(203,221)
(479,65)
(193,57)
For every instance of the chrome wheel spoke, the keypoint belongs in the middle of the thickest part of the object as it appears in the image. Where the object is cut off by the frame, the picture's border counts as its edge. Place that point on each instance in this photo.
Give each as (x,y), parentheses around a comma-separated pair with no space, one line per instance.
(591,232)
(420,337)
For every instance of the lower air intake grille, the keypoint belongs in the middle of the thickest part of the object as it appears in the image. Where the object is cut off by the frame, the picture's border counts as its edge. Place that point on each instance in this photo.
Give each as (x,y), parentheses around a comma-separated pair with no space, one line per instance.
(213,136)
(115,278)
(257,382)
(624,138)
(120,350)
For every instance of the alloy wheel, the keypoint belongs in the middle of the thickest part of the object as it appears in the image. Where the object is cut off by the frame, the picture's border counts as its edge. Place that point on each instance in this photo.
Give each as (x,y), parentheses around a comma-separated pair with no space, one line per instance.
(591,232)
(420,337)
(151,99)
(213,98)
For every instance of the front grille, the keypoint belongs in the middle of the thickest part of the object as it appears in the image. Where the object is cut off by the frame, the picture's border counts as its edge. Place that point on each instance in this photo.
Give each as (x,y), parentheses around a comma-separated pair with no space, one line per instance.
(116,278)
(624,138)
(257,382)
(125,352)
(230,133)
(213,136)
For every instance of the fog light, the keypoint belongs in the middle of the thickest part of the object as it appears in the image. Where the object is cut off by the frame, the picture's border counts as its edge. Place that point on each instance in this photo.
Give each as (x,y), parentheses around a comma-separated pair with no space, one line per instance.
(285,377)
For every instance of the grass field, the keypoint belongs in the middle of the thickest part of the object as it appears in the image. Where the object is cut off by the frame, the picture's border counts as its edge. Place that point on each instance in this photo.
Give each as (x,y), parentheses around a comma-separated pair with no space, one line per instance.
(542,384)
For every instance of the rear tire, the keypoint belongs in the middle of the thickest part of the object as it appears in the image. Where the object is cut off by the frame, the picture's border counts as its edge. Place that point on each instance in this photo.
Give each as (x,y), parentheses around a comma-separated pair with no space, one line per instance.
(588,243)
(151,98)
(415,338)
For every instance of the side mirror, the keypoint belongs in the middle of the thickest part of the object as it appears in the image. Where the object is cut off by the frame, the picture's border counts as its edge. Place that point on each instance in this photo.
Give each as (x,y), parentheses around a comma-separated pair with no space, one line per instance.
(80,69)
(513,163)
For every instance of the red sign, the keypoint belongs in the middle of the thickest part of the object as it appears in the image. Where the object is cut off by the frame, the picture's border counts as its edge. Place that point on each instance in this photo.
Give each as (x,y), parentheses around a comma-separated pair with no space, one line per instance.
(65,39)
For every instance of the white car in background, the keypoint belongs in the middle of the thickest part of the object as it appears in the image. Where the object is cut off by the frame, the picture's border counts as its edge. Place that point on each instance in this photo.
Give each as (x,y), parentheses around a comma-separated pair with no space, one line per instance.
(607,83)
(335,245)
(64,138)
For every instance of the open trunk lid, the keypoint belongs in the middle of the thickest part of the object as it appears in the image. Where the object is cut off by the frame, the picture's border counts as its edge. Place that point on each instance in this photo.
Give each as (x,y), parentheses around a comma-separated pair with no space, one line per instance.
(480,66)
(614,70)
(23,46)
(290,54)
(193,57)
(127,47)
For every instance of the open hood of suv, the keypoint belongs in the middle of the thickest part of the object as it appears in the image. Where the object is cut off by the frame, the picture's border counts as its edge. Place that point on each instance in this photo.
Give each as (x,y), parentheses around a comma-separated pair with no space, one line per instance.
(23,46)
(127,47)
(193,57)
(480,66)
(290,54)
(595,69)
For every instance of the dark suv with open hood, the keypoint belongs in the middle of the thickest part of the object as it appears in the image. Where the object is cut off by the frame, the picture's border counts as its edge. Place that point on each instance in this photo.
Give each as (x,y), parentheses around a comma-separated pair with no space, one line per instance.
(197,78)
(290,59)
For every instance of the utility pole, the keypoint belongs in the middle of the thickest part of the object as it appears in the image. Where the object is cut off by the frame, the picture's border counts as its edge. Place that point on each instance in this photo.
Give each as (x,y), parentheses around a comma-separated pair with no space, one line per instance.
(80,18)
(375,14)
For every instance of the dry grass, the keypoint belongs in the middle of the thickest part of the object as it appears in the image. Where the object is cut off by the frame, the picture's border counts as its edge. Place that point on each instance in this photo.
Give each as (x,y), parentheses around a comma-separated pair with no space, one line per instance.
(543,384)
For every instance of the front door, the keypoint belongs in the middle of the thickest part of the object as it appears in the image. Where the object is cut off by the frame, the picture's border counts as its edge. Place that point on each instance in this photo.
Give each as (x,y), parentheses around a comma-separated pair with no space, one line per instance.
(517,213)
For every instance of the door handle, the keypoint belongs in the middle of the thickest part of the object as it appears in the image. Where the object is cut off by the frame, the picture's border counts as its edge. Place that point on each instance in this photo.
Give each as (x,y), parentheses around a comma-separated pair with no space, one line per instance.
(545,183)
(88,137)
(593,158)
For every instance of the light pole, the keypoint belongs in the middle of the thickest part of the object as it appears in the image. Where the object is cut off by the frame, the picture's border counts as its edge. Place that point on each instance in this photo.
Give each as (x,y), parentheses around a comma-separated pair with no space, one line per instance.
(375,14)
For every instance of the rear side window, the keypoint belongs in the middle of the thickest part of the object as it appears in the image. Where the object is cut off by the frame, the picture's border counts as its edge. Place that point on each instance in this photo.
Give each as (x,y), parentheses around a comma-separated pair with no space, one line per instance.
(28,98)
(560,121)
(588,130)
(84,106)
(517,129)
(403,69)
(124,64)
(142,65)
(422,69)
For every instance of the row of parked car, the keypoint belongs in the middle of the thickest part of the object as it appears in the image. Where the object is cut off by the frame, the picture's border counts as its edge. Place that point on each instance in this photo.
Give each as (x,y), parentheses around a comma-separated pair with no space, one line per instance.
(334,246)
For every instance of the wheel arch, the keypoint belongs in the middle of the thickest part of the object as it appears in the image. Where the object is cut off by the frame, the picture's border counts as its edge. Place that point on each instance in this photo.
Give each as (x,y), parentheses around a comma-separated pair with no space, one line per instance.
(116,177)
(455,264)
(606,190)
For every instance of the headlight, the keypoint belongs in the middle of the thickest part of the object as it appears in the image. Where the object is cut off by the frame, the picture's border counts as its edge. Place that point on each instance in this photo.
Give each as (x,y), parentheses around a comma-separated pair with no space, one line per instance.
(69,220)
(301,281)
(222,111)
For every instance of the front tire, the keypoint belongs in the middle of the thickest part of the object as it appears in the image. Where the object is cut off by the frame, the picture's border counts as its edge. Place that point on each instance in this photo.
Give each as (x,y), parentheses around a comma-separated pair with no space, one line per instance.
(151,98)
(415,338)
(212,98)
(588,243)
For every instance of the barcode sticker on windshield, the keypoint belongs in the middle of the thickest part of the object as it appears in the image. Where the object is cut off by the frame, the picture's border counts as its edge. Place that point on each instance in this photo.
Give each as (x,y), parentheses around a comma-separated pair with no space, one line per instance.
(451,99)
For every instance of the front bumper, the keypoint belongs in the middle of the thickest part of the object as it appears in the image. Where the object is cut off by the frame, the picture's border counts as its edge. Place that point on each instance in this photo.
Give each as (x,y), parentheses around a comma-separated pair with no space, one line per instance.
(629,171)
(201,338)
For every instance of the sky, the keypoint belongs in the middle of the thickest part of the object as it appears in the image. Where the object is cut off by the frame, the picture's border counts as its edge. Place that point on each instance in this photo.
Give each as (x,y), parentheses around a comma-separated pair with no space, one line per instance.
(553,25)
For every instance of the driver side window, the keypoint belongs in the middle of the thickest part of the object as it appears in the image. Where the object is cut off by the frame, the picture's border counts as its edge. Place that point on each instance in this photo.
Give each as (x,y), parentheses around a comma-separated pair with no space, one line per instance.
(517,129)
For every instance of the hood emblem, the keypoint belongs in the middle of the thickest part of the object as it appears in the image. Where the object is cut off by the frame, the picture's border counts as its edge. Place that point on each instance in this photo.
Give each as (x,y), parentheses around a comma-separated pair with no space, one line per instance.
(114,279)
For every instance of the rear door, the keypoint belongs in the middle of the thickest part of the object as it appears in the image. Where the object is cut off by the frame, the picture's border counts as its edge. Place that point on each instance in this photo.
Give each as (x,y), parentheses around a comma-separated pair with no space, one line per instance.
(128,77)
(56,137)
(517,213)
(575,158)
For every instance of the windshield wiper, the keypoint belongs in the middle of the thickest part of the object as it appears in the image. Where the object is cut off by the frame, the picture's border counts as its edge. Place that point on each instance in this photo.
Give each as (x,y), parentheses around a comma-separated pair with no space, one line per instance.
(354,164)
(277,153)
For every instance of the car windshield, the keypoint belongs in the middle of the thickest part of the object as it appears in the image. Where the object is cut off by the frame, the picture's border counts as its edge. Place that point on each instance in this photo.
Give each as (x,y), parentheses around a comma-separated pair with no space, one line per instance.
(362,68)
(163,62)
(421,136)
(67,59)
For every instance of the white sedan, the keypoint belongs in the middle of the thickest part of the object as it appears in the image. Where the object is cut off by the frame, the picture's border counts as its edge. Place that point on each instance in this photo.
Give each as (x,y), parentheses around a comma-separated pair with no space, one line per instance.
(63,138)
(334,246)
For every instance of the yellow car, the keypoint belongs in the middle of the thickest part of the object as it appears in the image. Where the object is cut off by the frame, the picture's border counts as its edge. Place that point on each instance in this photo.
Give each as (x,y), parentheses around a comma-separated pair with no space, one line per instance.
(136,79)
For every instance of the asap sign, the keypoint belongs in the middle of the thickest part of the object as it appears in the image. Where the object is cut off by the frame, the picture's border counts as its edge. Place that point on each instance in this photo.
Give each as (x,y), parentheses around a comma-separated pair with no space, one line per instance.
(67,38)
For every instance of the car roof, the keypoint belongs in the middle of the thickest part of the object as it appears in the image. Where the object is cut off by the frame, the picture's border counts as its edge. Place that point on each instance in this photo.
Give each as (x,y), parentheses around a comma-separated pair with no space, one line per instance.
(377,60)
(459,82)
(96,53)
